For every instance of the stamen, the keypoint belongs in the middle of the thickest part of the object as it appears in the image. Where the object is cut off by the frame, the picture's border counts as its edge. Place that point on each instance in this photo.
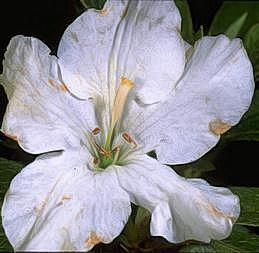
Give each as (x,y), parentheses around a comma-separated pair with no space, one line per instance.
(129,139)
(116,156)
(122,93)
(102,150)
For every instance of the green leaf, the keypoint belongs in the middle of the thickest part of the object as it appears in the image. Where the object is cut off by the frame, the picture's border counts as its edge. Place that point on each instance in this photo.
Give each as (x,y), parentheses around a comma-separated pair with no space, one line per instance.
(8,169)
(230,11)
(5,246)
(249,201)
(251,43)
(235,27)
(248,128)
(199,34)
(241,240)
(187,26)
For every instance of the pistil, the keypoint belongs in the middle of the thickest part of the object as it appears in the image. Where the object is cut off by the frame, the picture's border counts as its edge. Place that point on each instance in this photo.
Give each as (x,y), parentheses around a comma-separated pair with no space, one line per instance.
(122,93)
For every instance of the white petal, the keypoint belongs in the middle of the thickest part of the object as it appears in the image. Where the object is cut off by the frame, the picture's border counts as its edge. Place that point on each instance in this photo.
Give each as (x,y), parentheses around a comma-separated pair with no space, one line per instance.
(151,51)
(181,209)
(85,48)
(215,91)
(57,204)
(42,115)
(136,39)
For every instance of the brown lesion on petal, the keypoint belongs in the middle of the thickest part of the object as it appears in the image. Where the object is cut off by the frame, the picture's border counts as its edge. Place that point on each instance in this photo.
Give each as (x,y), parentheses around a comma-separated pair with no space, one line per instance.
(39,209)
(63,87)
(58,85)
(63,199)
(13,137)
(218,127)
(93,240)
(217,213)
(104,12)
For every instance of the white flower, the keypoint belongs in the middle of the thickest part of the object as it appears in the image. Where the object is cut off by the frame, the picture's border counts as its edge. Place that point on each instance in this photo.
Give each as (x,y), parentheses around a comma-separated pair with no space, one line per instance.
(121,86)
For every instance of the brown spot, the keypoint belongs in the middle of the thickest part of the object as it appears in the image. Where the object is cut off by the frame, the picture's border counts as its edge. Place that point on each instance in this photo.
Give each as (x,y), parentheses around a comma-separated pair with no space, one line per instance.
(63,87)
(128,139)
(65,197)
(13,137)
(218,127)
(96,131)
(93,240)
(52,82)
(103,12)
(40,208)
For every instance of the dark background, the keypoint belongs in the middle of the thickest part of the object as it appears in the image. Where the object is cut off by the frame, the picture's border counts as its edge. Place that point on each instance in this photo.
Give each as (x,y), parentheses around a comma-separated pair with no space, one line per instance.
(47,21)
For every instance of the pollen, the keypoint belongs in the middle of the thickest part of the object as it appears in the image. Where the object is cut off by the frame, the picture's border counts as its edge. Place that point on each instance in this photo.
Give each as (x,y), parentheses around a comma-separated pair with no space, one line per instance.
(218,127)
(93,239)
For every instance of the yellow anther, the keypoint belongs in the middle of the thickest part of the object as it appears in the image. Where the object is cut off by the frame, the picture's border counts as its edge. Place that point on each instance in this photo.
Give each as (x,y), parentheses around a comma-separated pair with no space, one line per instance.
(126,81)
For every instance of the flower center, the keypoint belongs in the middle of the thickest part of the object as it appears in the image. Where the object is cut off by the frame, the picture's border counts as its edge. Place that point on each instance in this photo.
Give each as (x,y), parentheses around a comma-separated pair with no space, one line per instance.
(105,155)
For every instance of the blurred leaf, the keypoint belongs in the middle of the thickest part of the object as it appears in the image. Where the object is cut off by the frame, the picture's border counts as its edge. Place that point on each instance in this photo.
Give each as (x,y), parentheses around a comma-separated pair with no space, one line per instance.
(197,248)
(137,228)
(96,4)
(230,11)
(8,169)
(251,43)
(235,27)
(249,201)
(241,240)
(248,128)
(195,169)
(187,27)
(5,246)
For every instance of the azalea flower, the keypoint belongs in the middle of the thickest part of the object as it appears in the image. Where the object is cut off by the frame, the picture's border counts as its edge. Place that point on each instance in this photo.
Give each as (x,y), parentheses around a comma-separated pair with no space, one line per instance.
(124,83)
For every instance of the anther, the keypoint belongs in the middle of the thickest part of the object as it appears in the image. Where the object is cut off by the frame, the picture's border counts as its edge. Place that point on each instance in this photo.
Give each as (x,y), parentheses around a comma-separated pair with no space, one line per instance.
(96,131)
(116,152)
(129,139)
